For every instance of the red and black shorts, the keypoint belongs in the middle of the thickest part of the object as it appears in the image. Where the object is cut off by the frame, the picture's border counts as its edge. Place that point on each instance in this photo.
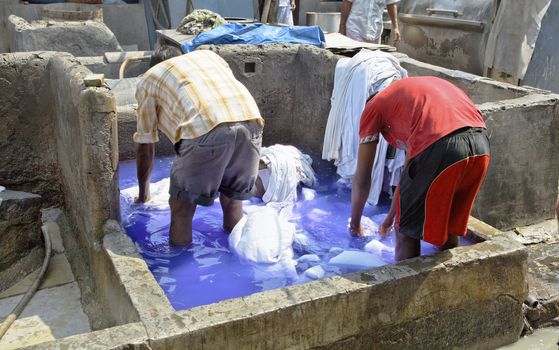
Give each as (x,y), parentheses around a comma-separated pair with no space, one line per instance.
(438,187)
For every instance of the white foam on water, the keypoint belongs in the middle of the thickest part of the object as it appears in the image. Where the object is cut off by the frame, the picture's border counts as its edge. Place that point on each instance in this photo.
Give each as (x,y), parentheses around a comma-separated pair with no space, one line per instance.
(356,260)
(377,247)
(315,272)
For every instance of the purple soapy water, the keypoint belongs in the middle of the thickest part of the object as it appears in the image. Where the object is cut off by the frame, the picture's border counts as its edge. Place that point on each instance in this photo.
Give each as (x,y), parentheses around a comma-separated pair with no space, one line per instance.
(207,272)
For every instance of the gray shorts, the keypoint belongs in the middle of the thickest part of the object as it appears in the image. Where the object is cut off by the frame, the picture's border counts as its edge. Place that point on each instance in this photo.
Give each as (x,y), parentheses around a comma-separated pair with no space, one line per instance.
(223,160)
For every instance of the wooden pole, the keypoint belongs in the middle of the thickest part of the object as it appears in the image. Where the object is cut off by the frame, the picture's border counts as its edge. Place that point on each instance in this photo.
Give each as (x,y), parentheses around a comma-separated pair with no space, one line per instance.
(265,11)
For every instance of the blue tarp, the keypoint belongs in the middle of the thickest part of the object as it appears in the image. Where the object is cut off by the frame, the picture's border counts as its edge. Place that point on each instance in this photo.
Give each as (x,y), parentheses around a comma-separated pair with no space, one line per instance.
(235,33)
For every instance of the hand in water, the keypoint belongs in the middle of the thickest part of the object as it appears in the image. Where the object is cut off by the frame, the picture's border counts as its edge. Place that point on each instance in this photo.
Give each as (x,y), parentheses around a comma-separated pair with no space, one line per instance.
(366,227)
(386,226)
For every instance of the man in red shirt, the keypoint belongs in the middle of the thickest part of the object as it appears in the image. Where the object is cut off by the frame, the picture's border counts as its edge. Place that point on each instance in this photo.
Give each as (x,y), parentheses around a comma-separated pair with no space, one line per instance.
(447,147)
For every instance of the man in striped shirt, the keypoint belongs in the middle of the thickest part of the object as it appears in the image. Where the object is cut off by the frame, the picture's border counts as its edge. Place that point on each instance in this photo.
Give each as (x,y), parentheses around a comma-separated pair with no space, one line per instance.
(216,128)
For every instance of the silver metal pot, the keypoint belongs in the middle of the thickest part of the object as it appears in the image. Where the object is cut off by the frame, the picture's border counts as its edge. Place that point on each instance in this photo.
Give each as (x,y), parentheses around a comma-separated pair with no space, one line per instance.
(328,21)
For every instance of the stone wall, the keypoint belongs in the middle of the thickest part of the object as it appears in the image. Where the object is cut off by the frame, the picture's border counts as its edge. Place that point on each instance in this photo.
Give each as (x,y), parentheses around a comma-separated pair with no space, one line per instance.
(60,140)
(86,131)
(112,17)
(88,38)
(27,145)
(21,246)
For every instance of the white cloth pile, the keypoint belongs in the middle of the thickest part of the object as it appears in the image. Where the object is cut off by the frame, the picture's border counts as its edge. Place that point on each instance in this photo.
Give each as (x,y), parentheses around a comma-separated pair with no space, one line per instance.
(263,237)
(286,168)
(355,80)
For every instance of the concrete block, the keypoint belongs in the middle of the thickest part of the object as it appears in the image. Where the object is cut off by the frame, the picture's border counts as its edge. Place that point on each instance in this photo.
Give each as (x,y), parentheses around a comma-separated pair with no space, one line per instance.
(88,38)
(127,337)
(20,234)
(133,274)
(94,80)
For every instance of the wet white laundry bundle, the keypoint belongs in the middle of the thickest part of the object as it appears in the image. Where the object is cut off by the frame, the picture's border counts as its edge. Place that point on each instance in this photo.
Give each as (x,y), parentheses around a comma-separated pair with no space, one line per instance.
(159,194)
(263,237)
(286,168)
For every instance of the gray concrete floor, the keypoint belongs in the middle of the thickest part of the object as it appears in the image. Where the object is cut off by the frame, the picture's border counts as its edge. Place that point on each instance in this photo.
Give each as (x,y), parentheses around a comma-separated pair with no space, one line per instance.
(542,339)
(54,312)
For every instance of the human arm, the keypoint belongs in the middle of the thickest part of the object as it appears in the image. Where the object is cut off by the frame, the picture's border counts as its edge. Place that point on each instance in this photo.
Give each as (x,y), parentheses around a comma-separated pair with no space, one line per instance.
(393,13)
(389,220)
(361,184)
(346,9)
(144,164)
(146,136)
(293,5)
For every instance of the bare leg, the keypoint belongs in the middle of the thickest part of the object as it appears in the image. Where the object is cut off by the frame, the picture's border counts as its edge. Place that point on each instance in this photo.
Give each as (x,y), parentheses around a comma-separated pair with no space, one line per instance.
(451,242)
(406,247)
(232,211)
(180,233)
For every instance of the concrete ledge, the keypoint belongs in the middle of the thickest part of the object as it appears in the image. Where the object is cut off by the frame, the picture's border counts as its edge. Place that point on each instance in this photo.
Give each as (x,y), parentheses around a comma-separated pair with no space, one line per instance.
(480,231)
(134,276)
(130,336)
(388,307)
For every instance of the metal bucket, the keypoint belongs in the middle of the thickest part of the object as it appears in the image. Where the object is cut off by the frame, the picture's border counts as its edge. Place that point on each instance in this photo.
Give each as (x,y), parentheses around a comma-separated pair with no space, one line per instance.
(328,21)
(73,12)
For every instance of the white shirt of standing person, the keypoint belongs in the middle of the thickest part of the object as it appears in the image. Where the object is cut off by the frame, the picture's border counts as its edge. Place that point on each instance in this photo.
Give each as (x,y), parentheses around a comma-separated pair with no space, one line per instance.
(285,8)
(364,22)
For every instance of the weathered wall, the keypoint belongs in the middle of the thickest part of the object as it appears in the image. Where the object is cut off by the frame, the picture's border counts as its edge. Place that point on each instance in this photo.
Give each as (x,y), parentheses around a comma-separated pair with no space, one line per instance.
(86,131)
(521,185)
(27,145)
(443,39)
(87,38)
(269,73)
(314,85)
(110,63)
(61,141)
(112,15)
(21,246)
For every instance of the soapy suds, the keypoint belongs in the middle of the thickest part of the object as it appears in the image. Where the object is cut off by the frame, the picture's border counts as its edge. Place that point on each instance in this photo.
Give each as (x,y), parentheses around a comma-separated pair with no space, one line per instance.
(207,271)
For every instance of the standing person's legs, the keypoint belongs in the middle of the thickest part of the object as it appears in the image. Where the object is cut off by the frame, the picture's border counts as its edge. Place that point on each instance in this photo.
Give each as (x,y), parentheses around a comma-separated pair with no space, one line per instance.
(232,211)
(438,188)
(452,193)
(406,247)
(196,175)
(180,232)
(239,178)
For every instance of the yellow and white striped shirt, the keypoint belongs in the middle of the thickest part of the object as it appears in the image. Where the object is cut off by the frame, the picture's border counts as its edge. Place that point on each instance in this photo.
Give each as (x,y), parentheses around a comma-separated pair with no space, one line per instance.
(187,96)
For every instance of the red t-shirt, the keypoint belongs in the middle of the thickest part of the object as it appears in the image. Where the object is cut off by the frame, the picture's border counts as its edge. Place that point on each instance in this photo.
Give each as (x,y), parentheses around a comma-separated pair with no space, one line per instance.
(413,113)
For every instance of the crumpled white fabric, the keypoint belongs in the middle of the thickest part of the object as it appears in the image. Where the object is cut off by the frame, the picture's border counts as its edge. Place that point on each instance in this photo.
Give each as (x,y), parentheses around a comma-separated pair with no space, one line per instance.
(355,79)
(159,194)
(286,168)
(263,237)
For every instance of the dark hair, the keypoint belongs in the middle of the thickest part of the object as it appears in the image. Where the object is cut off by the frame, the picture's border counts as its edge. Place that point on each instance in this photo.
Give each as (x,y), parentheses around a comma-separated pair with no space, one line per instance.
(372,96)
(164,53)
